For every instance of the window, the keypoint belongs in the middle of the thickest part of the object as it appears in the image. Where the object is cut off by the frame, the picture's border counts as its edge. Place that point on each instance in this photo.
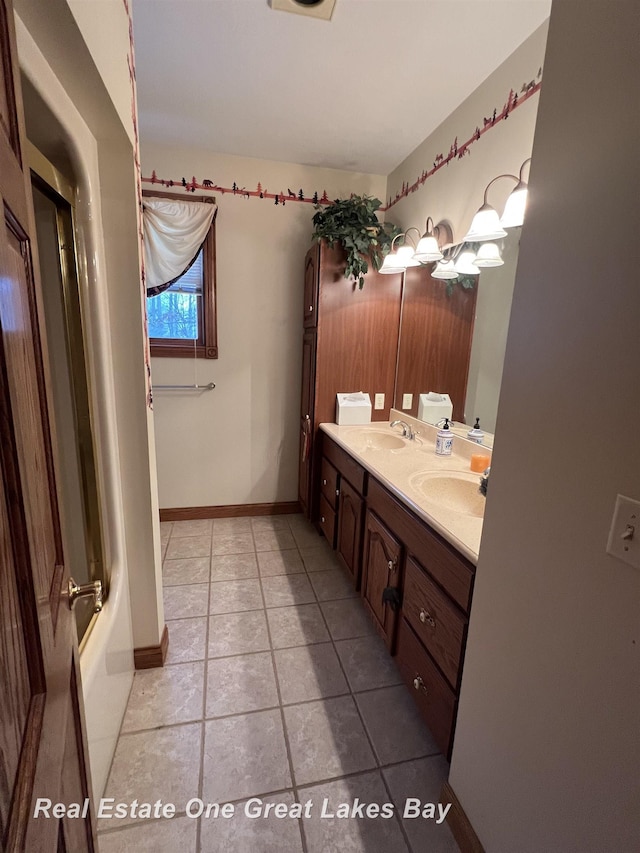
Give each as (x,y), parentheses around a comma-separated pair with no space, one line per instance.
(182,318)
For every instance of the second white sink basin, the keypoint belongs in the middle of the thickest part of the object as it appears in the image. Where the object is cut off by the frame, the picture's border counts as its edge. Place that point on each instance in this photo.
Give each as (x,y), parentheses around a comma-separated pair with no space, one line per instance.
(457,492)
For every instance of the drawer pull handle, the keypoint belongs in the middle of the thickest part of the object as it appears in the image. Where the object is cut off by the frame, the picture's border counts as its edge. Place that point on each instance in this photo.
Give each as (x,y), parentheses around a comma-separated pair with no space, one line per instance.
(419,684)
(427,617)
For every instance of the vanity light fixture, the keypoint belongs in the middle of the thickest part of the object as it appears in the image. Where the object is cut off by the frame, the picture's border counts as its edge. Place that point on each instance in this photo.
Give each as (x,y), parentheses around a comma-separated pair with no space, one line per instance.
(445,270)
(488,256)
(515,207)
(465,264)
(402,258)
(486,224)
(428,249)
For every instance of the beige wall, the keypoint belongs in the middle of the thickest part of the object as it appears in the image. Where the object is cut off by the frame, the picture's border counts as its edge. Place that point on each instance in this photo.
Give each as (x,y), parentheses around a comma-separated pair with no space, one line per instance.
(239,443)
(547,751)
(455,192)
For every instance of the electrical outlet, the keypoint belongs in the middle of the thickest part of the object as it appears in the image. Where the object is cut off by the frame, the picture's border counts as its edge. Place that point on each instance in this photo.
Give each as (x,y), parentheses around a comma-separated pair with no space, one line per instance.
(378,401)
(624,535)
(407,401)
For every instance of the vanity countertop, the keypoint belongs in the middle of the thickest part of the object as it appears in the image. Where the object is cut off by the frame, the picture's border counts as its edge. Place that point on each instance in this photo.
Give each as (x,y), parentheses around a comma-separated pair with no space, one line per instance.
(398,469)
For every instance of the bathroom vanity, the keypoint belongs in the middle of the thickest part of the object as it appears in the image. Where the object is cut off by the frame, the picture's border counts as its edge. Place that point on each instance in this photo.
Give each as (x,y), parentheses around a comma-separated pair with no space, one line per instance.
(406,526)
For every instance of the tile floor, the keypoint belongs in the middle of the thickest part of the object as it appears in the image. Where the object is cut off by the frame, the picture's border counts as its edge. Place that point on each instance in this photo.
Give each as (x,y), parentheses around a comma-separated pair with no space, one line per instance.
(275,686)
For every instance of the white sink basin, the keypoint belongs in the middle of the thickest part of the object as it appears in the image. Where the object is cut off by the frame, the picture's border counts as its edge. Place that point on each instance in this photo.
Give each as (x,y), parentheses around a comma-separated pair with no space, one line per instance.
(457,492)
(368,439)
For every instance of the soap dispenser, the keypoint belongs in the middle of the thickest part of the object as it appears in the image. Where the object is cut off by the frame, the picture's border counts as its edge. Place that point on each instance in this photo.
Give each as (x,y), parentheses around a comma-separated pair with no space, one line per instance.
(444,440)
(476,433)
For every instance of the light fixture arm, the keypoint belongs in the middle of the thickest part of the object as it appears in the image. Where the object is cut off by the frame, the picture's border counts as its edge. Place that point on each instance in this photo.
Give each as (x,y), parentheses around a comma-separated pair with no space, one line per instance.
(497,178)
(528,160)
(406,233)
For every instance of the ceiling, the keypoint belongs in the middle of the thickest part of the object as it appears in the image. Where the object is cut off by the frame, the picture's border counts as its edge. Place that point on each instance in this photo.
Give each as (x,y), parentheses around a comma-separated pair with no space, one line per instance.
(359,92)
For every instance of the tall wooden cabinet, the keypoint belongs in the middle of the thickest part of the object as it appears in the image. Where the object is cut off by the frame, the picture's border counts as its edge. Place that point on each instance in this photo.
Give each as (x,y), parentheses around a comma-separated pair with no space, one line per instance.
(350,344)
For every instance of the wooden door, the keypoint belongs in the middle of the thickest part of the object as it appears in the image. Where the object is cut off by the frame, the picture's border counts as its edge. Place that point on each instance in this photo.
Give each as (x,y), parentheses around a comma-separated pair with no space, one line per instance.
(349,538)
(381,571)
(311,287)
(42,747)
(305,467)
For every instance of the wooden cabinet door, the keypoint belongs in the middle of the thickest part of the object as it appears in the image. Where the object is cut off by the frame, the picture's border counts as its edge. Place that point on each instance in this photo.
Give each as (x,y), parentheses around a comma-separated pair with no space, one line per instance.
(311,286)
(42,744)
(380,571)
(305,468)
(349,538)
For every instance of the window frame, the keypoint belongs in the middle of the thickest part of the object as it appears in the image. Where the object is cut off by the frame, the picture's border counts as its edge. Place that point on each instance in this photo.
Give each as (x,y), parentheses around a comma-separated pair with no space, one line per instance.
(207,342)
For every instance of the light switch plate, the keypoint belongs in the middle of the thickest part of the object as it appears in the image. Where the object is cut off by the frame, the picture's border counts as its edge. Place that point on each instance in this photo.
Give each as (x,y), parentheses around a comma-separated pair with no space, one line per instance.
(624,535)
(407,401)
(378,401)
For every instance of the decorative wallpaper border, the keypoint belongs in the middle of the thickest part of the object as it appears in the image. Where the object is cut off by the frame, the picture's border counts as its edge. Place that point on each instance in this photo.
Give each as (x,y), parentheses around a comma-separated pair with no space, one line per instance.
(207,185)
(457,152)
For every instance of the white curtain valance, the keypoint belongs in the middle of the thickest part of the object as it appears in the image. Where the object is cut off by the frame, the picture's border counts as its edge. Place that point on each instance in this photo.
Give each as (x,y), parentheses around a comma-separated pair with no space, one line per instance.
(173,234)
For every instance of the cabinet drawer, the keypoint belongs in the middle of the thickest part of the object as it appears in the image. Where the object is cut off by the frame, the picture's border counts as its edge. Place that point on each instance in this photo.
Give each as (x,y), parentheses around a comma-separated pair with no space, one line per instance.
(452,571)
(329,482)
(435,699)
(327,521)
(436,621)
(345,464)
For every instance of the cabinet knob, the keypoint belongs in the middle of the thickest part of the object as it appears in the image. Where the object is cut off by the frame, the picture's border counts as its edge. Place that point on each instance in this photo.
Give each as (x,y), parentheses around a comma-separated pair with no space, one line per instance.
(324,482)
(418,684)
(310,308)
(427,617)
(337,492)
(322,518)
(391,565)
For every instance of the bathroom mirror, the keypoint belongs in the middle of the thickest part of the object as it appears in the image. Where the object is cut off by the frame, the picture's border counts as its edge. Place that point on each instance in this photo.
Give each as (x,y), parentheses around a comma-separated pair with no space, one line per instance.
(457,342)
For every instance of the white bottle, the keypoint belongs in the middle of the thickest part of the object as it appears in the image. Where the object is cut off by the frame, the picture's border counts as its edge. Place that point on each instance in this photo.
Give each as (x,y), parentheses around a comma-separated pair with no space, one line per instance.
(444,440)
(476,433)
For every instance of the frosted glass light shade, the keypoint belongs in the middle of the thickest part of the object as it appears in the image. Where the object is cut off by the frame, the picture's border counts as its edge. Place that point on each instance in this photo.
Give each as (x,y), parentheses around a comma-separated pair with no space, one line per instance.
(485,226)
(428,250)
(488,256)
(390,265)
(515,207)
(405,257)
(444,270)
(465,264)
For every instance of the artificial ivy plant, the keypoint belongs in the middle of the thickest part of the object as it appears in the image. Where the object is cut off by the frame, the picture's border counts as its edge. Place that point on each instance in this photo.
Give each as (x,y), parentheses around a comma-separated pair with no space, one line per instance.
(353,223)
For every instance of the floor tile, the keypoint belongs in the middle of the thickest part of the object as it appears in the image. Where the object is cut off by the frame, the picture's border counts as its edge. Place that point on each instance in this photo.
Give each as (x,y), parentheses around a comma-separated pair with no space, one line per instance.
(232,543)
(160,836)
(327,740)
(408,737)
(165,528)
(187,640)
(189,546)
(238,633)
(347,619)
(296,626)
(320,558)
(230,567)
(367,663)
(240,684)
(354,835)
(244,834)
(273,540)
(234,596)
(423,780)
(190,570)
(270,522)
(332,585)
(309,672)
(244,756)
(161,764)
(231,525)
(305,534)
(283,590)
(181,602)
(165,696)
(195,527)
(280,562)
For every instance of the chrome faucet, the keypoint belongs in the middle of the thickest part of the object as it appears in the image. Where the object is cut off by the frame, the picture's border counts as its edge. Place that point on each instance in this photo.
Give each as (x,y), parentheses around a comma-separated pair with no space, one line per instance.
(407,432)
(484,482)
